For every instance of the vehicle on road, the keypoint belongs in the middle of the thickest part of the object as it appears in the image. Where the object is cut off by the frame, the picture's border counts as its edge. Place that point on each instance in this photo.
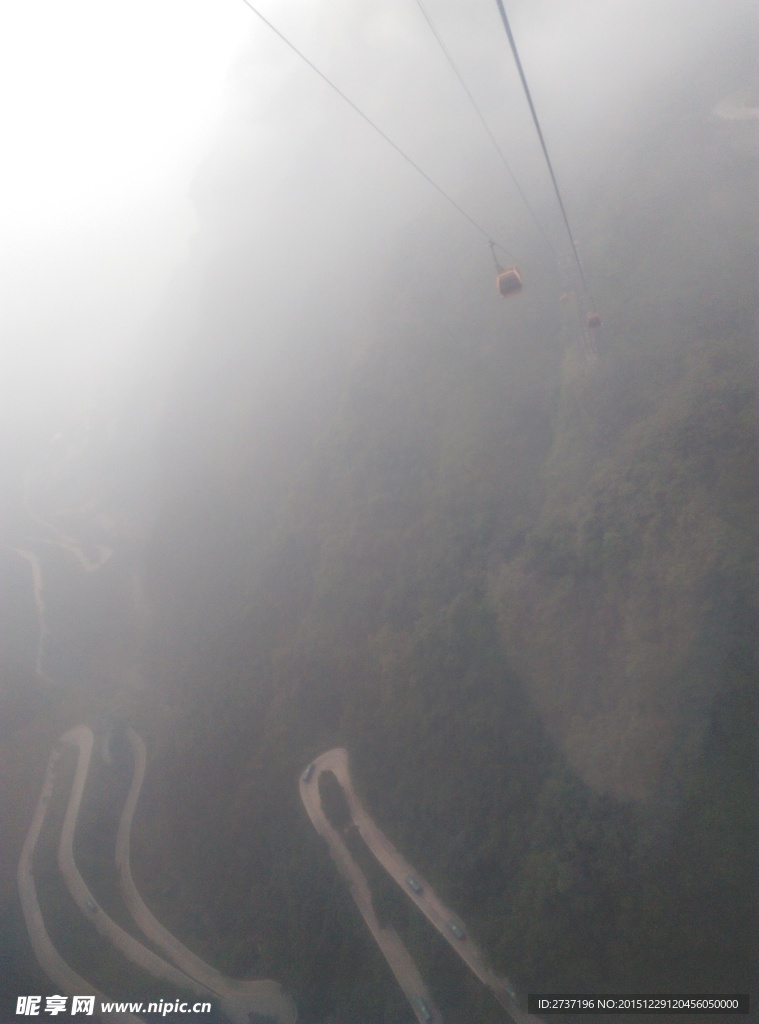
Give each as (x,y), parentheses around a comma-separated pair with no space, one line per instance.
(90,904)
(455,929)
(510,991)
(308,773)
(425,1011)
(412,883)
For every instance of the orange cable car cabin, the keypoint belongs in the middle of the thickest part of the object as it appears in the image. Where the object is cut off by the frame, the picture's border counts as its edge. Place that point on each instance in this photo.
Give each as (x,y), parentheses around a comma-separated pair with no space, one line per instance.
(593,320)
(508,281)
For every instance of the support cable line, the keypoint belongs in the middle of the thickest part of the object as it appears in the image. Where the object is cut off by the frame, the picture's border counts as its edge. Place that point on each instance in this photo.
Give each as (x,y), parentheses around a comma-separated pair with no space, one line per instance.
(377,129)
(481,116)
(536,122)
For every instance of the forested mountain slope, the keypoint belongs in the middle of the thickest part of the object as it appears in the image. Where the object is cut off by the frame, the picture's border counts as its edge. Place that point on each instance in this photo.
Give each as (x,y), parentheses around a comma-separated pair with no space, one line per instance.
(618,611)
(515,580)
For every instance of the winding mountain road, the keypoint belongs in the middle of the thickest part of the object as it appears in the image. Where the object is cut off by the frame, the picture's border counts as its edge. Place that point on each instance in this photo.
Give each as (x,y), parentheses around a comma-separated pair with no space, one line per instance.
(53,964)
(427,900)
(61,539)
(238,996)
(395,953)
(39,604)
(65,543)
(238,999)
(83,739)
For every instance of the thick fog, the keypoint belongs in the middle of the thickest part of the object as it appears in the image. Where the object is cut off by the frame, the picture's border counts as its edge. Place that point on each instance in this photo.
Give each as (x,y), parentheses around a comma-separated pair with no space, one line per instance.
(162,155)
(280,471)
(106,111)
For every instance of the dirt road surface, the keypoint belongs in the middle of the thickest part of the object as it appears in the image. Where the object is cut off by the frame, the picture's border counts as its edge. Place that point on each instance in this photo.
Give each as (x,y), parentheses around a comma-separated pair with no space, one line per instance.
(239,997)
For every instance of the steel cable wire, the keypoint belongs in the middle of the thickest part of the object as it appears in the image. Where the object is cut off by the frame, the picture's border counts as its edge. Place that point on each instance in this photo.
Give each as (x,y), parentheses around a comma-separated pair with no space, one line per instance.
(372,124)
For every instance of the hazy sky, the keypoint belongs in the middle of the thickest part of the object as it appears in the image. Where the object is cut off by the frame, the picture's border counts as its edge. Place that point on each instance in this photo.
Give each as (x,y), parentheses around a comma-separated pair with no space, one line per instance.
(105,109)
(129,127)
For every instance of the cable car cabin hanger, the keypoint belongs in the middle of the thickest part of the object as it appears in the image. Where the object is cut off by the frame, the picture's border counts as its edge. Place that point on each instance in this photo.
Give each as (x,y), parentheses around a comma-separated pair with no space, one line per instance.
(593,319)
(508,281)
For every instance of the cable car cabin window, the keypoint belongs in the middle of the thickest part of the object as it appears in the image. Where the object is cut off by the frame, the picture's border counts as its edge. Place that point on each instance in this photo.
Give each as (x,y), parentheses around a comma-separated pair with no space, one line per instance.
(594,320)
(509,282)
